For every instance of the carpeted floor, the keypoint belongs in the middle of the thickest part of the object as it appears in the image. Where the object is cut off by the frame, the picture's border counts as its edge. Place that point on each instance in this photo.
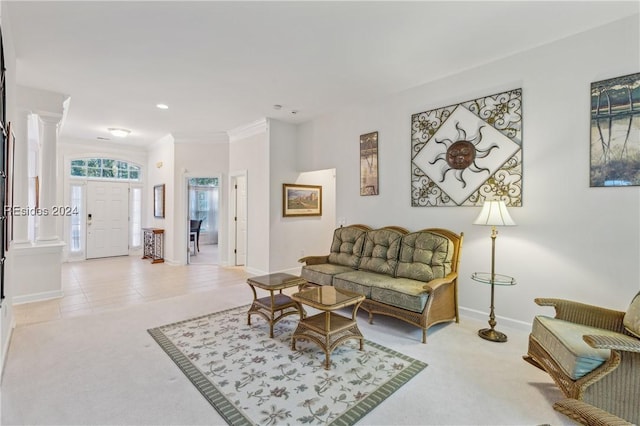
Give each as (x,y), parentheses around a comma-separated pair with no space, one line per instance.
(250,378)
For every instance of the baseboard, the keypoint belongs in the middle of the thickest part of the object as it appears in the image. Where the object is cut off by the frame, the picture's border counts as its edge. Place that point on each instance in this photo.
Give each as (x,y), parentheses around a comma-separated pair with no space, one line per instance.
(37,297)
(5,349)
(502,321)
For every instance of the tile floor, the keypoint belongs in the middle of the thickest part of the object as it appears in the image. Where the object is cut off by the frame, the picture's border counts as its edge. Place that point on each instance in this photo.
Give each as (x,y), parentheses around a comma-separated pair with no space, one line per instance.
(103,284)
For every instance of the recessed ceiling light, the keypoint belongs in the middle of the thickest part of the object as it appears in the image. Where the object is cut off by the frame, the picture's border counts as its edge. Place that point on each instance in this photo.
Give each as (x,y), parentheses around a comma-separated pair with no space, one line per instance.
(120,133)
(163,106)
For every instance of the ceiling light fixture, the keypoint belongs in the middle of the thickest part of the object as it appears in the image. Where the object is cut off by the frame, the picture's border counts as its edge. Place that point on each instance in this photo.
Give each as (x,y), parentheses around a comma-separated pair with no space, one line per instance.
(120,133)
(162,106)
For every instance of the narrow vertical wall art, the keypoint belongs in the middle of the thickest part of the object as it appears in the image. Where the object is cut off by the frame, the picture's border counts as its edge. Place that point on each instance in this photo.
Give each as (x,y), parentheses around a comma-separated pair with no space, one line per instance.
(369,164)
(615,131)
(464,154)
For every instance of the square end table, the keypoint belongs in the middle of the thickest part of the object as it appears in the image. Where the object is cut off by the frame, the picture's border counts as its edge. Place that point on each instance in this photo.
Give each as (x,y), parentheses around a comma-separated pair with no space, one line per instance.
(327,328)
(276,305)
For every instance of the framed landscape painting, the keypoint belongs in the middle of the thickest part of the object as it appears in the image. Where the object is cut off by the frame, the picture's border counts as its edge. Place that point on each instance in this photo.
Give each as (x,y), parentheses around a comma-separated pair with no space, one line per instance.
(615,132)
(301,200)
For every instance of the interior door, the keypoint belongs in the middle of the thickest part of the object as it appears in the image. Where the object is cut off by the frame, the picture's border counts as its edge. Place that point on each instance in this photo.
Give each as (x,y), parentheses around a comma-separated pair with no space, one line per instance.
(241,220)
(107,219)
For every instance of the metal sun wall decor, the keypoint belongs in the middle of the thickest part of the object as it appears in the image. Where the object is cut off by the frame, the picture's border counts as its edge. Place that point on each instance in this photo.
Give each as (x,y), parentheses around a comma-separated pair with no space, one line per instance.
(369,164)
(615,131)
(463,154)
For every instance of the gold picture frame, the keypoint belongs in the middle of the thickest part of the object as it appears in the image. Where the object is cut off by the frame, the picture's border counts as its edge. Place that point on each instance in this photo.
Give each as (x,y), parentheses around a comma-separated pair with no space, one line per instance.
(158,201)
(301,200)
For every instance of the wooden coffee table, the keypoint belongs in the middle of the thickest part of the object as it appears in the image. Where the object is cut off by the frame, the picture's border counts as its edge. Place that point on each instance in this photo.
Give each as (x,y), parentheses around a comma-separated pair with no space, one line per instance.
(327,328)
(276,303)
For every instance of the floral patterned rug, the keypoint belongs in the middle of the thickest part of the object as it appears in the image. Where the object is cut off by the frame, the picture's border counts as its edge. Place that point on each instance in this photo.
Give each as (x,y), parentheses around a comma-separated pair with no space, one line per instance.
(250,378)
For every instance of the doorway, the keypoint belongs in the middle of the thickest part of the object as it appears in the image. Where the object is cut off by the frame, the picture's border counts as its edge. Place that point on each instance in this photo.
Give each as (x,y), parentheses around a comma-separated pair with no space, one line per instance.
(203,208)
(107,219)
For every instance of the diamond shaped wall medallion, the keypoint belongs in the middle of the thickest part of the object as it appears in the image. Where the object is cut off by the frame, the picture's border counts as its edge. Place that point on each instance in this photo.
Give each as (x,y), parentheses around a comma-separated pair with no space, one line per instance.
(466,153)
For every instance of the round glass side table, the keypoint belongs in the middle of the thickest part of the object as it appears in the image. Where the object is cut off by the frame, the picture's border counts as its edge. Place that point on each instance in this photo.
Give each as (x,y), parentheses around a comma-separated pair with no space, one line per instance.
(493,279)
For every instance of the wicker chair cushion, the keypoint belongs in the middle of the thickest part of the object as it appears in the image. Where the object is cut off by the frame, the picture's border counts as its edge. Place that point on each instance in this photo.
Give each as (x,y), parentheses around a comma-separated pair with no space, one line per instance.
(346,246)
(563,341)
(380,251)
(322,274)
(631,319)
(424,256)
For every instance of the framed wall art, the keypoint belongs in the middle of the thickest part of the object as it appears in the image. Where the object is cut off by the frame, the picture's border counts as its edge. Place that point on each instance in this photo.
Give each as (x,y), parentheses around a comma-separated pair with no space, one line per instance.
(615,132)
(369,164)
(158,201)
(465,153)
(301,200)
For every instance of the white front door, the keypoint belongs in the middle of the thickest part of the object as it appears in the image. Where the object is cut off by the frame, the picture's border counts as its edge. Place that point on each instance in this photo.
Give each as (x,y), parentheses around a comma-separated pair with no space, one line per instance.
(241,220)
(107,219)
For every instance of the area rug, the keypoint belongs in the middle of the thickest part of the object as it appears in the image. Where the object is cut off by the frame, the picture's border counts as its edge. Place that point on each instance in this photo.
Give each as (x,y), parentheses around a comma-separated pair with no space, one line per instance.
(250,378)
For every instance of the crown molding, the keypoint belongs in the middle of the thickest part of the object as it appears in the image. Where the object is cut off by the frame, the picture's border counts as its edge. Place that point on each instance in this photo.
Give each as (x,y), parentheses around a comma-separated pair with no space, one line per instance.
(200,137)
(251,129)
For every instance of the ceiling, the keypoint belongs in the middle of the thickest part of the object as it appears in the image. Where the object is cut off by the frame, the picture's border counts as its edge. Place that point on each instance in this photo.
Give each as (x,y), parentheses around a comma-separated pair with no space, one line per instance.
(223,65)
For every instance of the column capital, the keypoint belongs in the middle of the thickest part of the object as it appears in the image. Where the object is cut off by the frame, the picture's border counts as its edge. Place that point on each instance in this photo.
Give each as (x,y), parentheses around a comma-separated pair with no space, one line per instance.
(49,117)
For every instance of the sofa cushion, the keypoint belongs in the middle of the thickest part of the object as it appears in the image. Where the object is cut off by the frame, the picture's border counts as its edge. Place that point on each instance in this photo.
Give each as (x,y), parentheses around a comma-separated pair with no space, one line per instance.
(424,256)
(322,274)
(563,341)
(358,281)
(380,251)
(346,247)
(631,318)
(402,293)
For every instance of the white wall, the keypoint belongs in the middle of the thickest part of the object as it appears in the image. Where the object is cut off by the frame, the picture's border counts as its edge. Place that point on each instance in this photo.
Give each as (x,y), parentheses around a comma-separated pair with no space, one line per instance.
(291,237)
(160,170)
(249,150)
(571,240)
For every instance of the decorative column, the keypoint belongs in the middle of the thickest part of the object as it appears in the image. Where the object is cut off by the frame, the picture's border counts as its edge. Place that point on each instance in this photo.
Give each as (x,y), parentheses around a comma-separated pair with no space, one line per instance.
(19,127)
(49,140)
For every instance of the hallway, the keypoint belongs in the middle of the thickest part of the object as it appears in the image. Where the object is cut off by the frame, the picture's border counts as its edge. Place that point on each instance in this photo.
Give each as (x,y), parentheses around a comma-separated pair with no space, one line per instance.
(100,285)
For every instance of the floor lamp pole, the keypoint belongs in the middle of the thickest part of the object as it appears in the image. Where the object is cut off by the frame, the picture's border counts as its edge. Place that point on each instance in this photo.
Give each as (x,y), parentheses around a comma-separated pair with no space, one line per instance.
(491,333)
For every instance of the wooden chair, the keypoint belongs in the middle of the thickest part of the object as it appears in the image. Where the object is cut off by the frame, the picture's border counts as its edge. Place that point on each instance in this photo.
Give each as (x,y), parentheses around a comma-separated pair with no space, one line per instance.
(195,229)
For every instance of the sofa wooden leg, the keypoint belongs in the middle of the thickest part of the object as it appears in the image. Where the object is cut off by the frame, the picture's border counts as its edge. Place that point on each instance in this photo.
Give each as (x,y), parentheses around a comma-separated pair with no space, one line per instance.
(424,335)
(370,317)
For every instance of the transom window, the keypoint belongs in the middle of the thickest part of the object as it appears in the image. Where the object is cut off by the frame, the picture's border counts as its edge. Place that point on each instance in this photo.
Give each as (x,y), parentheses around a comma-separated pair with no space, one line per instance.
(105,168)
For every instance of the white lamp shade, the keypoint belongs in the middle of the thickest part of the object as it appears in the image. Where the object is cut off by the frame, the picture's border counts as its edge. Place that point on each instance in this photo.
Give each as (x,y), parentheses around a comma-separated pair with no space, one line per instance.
(494,213)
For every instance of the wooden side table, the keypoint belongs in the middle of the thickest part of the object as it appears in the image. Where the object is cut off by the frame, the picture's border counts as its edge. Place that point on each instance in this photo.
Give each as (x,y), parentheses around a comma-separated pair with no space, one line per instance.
(153,244)
(328,329)
(276,303)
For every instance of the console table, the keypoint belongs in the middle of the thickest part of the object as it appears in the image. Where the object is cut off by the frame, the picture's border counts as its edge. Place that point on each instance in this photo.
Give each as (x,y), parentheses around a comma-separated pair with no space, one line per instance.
(154,244)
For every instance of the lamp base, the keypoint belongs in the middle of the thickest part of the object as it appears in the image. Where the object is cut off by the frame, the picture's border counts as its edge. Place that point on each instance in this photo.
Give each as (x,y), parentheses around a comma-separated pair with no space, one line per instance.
(493,335)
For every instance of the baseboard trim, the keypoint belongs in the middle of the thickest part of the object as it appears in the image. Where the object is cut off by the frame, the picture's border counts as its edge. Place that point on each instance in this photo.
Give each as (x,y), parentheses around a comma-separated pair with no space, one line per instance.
(502,321)
(37,297)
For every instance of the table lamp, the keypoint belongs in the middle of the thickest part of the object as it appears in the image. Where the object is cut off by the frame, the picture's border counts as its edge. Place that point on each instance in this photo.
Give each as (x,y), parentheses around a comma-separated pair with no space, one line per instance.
(494,213)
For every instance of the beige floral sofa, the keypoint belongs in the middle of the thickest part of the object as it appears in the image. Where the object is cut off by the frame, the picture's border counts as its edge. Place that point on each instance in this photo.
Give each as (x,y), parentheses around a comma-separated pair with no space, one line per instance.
(411,276)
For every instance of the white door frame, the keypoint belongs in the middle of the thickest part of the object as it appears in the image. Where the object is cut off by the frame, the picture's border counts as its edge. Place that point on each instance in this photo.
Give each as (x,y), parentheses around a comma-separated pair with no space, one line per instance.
(187,230)
(232,212)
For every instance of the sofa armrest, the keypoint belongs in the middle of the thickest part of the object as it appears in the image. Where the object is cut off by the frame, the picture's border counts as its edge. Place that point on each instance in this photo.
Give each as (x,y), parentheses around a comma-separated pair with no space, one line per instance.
(314,260)
(581,313)
(618,343)
(439,282)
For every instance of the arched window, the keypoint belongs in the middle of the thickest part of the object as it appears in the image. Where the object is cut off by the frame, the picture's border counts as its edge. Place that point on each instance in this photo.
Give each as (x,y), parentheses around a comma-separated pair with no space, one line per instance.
(105,168)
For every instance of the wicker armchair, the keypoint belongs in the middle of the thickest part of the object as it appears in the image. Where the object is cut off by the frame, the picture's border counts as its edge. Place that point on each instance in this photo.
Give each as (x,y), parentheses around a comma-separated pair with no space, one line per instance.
(587,414)
(613,386)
